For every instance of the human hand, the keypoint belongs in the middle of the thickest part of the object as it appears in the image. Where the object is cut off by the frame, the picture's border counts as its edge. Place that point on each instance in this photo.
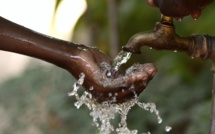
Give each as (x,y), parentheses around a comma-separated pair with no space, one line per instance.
(180,8)
(95,65)
(76,59)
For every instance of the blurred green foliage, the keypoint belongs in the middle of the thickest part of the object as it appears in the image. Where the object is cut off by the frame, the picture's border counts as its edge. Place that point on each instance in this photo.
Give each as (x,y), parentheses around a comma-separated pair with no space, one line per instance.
(38,103)
(38,100)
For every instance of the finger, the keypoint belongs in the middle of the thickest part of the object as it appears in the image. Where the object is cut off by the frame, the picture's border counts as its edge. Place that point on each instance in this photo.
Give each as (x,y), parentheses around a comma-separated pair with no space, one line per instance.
(195,15)
(150,69)
(139,81)
(137,77)
(139,72)
(151,3)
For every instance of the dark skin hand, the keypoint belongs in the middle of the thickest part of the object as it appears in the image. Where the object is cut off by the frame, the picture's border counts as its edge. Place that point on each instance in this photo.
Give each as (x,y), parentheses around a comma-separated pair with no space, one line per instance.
(77,59)
(95,65)
(180,8)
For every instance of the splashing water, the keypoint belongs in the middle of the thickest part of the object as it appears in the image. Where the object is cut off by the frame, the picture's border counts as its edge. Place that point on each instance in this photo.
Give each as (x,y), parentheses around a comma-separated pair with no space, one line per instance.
(152,108)
(103,113)
(168,128)
(77,85)
(120,59)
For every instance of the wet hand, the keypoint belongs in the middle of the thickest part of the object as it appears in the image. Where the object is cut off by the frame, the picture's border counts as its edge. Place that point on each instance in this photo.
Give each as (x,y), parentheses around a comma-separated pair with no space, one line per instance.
(180,8)
(95,65)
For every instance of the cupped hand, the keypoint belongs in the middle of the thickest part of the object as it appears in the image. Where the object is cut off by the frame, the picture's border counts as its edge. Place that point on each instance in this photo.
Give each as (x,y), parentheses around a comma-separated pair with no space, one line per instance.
(180,8)
(95,65)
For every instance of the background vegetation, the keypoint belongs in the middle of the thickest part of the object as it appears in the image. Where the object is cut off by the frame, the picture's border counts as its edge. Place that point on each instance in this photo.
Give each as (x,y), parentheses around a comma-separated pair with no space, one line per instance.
(37,102)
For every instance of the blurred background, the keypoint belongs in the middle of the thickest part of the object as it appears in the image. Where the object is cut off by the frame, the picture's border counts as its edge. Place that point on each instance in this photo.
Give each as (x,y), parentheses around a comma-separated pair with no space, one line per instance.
(33,94)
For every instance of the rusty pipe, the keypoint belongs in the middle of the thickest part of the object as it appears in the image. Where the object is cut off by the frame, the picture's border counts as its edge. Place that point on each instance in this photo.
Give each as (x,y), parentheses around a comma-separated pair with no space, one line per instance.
(164,37)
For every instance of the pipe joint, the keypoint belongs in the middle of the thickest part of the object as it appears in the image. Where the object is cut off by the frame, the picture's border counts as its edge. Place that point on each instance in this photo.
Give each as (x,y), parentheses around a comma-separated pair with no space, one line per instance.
(202,47)
(162,37)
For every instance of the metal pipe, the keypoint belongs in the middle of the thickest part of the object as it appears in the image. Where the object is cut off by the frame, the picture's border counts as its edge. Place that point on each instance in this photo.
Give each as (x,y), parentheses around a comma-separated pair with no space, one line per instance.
(212,124)
(113,28)
(163,37)
(211,46)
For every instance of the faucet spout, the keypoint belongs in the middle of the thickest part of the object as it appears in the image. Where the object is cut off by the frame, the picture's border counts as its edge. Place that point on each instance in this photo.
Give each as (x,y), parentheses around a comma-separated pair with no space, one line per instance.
(162,37)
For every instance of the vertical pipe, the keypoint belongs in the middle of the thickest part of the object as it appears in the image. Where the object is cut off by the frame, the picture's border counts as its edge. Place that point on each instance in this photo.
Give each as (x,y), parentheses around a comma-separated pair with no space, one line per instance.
(113,26)
(211,51)
(212,124)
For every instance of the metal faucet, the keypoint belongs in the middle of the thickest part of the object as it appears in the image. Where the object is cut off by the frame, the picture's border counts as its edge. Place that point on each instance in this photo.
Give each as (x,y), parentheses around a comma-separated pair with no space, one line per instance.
(163,37)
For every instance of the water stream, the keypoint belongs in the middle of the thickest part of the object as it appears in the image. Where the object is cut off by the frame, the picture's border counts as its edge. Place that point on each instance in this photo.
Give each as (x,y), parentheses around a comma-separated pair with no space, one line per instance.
(120,59)
(103,113)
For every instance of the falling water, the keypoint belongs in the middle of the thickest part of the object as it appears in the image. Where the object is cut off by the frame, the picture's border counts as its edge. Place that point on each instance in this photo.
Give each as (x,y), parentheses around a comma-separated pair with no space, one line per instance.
(103,113)
(120,59)
(77,85)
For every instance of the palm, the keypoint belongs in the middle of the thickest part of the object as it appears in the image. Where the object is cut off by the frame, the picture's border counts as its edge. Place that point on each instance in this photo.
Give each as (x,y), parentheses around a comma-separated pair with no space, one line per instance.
(95,64)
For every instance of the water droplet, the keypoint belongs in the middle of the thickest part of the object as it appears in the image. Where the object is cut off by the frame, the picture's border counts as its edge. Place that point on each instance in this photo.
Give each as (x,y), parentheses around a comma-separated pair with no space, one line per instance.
(77,105)
(91,88)
(134,132)
(195,15)
(114,99)
(81,79)
(178,19)
(90,96)
(168,128)
(94,47)
(134,92)
(159,120)
(108,74)
(81,48)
